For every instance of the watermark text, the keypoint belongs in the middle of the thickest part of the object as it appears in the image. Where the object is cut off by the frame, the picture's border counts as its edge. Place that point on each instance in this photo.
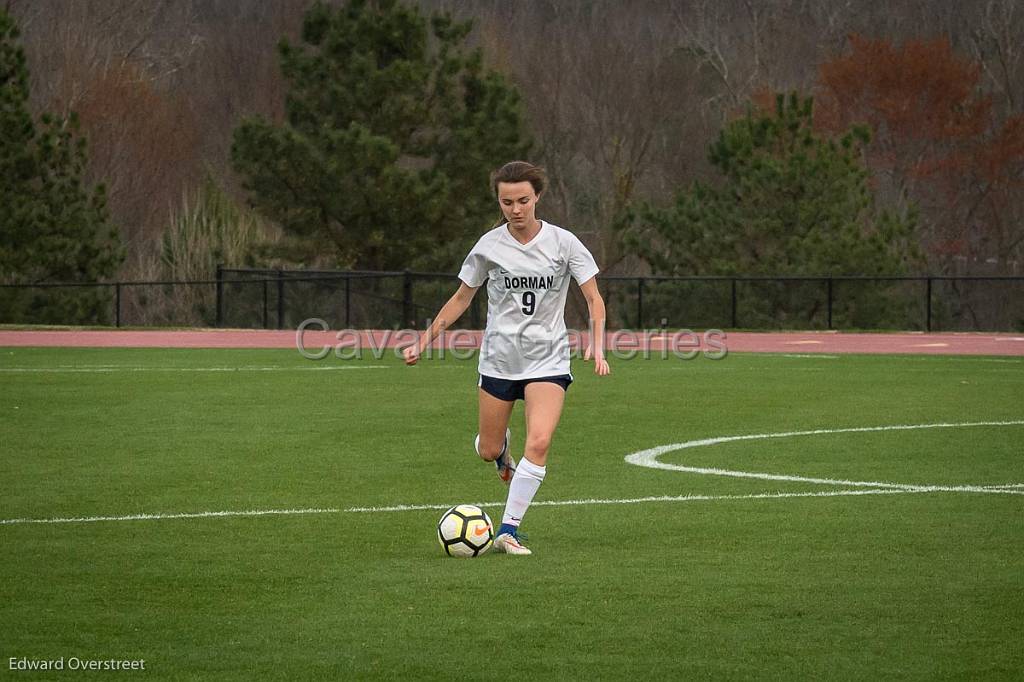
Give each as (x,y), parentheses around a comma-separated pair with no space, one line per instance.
(315,341)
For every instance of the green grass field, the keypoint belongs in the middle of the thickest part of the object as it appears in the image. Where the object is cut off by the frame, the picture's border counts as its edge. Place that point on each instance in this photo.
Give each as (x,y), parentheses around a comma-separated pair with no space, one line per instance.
(895,584)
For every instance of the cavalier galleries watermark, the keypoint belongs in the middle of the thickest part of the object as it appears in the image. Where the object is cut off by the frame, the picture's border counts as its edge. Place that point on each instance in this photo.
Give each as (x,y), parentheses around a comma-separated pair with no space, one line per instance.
(313,343)
(74,663)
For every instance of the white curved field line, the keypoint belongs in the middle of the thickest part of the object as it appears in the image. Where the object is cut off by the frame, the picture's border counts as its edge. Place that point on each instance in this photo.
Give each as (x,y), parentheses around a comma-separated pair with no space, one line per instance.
(649,458)
(646,458)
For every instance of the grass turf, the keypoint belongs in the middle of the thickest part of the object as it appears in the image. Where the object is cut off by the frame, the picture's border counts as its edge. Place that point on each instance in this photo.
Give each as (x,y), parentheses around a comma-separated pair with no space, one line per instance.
(913,586)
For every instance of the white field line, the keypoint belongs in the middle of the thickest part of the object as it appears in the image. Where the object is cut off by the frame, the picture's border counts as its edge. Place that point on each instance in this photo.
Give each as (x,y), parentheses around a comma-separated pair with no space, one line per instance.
(427,507)
(895,357)
(779,368)
(646,458)
(649,458)
(91,370)
(810,356)
(541,503)
(182,515)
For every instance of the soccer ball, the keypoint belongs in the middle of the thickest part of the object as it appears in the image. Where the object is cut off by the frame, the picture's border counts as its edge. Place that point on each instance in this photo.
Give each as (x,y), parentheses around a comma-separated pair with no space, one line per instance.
(465,531)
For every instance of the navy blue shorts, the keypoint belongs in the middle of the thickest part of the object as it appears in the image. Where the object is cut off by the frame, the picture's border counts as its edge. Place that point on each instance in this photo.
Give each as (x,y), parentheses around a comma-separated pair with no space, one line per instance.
(515,389)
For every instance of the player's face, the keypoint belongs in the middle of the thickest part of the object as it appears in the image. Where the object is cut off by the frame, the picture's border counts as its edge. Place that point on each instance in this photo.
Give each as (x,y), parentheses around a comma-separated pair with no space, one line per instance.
(518,203)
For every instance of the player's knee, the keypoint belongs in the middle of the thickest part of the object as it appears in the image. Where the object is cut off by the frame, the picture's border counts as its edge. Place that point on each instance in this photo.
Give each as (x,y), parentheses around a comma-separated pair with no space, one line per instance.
(538,444)
(489,451)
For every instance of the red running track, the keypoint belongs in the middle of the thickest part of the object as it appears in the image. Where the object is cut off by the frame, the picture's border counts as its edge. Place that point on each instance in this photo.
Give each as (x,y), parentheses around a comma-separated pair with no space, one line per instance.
(735,342)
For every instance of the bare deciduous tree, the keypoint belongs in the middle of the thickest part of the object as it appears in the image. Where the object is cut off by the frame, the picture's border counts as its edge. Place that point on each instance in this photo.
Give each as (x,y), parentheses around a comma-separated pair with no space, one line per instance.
(623,99)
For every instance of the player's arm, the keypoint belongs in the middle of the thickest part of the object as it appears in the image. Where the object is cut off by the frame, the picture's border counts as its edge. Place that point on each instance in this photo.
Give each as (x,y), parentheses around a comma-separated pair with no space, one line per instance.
(595,348)
(449,314)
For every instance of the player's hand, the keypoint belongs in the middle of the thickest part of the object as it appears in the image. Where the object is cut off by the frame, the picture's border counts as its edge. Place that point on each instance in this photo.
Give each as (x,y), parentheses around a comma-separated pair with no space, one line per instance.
(601,367)
(412,354)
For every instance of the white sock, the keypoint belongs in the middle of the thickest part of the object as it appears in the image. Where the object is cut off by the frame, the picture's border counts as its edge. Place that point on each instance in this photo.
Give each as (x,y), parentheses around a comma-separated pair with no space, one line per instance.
(525,483)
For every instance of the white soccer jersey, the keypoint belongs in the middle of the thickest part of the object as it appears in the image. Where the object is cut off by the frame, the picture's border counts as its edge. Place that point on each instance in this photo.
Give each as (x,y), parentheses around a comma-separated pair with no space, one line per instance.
(527,284)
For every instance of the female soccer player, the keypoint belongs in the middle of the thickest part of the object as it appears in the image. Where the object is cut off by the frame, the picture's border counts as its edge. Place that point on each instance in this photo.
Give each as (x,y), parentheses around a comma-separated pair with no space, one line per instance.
(524,353)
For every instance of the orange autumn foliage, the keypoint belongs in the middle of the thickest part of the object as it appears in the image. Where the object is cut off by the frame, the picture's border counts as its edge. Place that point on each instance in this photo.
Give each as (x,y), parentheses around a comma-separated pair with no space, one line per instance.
(142,143)
(936,138)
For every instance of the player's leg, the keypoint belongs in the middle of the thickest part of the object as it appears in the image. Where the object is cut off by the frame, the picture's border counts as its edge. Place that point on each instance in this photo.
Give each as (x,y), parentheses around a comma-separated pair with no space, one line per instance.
(494,416)
(544,402)
(497,397)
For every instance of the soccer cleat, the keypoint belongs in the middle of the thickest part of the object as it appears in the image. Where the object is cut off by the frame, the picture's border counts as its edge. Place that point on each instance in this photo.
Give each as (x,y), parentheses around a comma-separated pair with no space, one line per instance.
(506,464)
(508,543)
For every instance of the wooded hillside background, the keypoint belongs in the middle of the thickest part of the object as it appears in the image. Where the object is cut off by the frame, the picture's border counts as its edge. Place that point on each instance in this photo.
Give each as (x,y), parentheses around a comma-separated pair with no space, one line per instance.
(622,102)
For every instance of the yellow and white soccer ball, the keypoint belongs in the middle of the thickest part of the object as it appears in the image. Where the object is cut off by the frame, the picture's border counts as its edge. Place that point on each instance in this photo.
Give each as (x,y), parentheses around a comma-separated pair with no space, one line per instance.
(465,530)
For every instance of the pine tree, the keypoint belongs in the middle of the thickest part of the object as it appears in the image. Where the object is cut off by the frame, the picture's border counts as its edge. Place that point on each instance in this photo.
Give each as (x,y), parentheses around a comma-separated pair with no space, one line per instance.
(392,127)
(791,202)
(52,228)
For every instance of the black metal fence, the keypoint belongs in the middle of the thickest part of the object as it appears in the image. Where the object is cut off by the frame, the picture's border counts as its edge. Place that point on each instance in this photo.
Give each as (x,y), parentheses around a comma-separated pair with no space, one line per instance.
(282,299)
